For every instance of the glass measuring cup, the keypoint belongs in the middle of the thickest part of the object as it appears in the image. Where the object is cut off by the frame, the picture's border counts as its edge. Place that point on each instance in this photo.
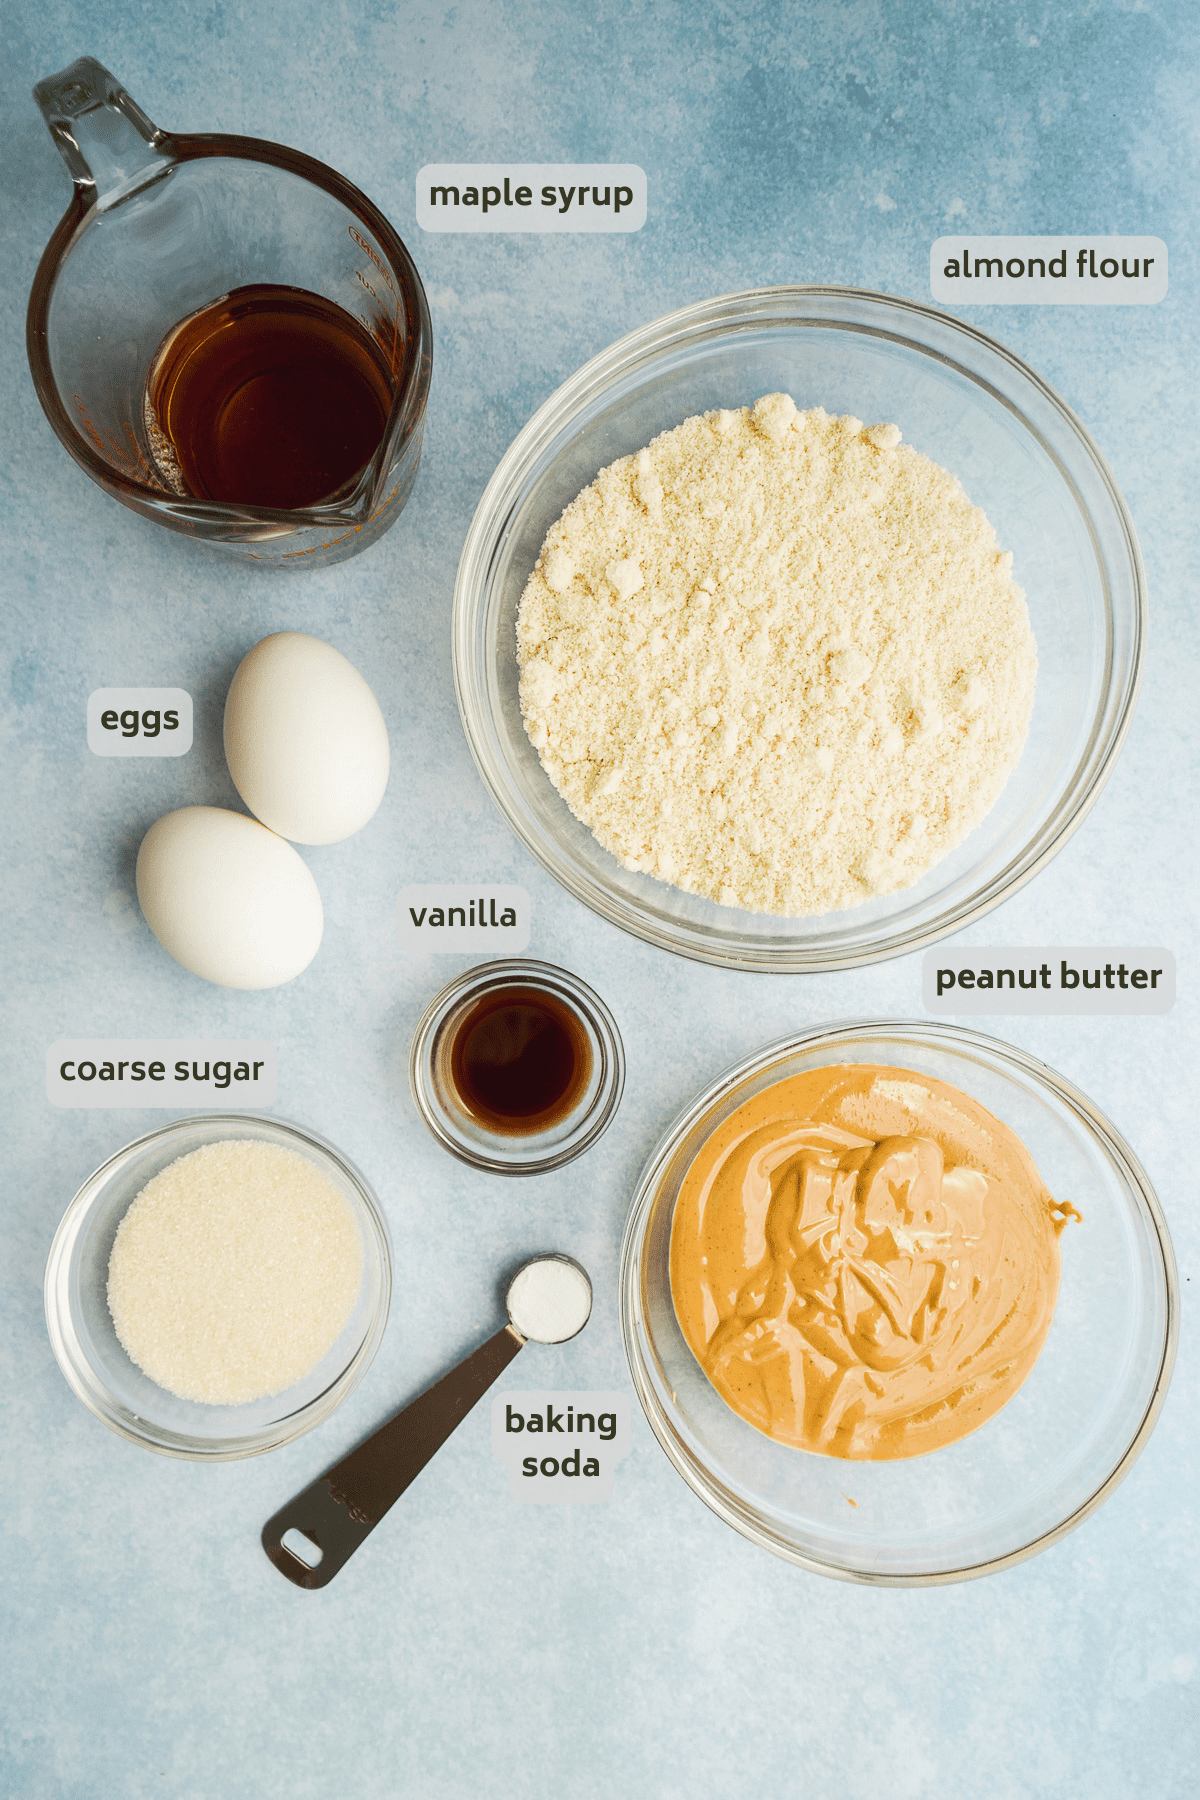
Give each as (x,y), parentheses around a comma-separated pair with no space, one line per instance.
(160,226)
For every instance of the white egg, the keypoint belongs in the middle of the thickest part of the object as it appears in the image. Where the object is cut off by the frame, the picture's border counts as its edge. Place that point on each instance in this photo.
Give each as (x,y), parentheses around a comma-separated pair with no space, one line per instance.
(227,898)
(305,740)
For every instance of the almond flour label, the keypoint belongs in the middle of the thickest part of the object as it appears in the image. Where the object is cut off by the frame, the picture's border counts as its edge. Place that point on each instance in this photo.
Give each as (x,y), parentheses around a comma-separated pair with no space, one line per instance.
(554,197)
(1007,979)
(561,1447)
(1048,271)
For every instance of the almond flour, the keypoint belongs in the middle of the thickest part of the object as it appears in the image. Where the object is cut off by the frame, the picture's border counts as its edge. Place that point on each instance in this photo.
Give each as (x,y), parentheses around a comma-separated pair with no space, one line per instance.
(776,658)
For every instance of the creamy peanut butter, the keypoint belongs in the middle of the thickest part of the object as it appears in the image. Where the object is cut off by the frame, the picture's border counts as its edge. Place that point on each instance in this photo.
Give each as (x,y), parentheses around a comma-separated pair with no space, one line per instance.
(865,1261)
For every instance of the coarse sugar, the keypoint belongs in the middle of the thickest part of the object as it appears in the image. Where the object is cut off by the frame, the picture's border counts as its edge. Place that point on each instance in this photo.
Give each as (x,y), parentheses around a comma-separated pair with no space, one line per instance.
(234,1271)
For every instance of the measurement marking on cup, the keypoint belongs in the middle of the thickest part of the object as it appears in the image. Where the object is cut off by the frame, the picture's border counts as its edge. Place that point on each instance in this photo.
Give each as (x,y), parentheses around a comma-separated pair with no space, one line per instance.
(114,446)
(375,258)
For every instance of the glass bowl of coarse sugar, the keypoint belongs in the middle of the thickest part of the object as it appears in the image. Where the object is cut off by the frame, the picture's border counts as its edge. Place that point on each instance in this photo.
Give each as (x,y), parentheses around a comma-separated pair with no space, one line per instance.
(219,1286)
(967,405)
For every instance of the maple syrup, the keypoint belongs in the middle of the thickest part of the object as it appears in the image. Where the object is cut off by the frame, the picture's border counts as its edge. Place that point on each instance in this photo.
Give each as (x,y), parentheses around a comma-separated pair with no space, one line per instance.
(520,1060)
(270,396)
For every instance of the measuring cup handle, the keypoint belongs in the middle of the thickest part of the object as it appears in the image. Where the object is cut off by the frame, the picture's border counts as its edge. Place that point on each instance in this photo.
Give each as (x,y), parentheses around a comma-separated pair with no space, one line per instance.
(105,139)
(336,1512)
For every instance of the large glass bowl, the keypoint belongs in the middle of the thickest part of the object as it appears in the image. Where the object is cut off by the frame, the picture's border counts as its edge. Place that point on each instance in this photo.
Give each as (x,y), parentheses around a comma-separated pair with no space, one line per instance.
(91,1355)
(1040,1465)
(961,399)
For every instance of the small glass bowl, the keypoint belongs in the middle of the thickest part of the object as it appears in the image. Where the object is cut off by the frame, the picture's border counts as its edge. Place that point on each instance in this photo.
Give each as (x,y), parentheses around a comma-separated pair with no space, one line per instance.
(960,398)
(1040,1465)
(504,1153)
(92,1358)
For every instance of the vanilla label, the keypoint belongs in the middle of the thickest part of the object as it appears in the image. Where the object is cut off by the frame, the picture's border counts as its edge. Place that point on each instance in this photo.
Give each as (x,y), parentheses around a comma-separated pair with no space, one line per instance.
(441,916)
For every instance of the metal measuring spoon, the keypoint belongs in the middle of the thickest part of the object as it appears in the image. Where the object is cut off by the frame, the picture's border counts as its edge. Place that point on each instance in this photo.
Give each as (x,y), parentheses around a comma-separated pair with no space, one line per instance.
(549,1301)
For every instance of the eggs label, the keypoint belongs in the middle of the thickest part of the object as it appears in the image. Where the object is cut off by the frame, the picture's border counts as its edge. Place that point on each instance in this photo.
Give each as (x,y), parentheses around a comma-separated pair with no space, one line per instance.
(478,916)
(561,1447)
(196,1073)
(139,721)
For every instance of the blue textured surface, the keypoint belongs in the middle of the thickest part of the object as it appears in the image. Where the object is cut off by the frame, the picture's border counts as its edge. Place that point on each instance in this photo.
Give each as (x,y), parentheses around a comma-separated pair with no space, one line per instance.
(639,1647)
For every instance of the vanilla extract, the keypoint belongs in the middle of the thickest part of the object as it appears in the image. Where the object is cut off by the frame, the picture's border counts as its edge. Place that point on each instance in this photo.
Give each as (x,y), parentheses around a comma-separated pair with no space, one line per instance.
(520,1060)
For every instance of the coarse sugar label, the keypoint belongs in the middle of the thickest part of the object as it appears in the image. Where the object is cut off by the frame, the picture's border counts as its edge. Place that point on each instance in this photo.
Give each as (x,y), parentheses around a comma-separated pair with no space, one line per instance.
(139,721)
(1048,979)
(444,916)
(561,1447)
(531,197)
(197,1073)
(1048,271)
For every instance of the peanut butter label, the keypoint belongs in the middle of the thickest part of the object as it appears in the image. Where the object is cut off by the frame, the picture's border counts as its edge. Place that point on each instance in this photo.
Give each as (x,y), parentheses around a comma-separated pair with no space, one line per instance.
(1012,979)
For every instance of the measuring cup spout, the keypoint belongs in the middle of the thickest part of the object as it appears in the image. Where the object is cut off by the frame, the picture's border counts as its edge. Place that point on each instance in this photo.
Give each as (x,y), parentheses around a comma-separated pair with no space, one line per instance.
(109,145)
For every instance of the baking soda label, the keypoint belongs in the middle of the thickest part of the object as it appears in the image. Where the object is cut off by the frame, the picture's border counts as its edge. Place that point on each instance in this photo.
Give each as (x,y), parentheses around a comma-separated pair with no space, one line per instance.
(197,1074)
(137,721)
(555,197)
(443,916)
(561,1447)
(1048,271)
(1049,979)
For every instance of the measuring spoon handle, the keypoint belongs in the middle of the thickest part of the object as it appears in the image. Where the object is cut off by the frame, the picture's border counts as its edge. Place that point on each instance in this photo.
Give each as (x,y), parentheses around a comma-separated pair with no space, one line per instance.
(345,1504)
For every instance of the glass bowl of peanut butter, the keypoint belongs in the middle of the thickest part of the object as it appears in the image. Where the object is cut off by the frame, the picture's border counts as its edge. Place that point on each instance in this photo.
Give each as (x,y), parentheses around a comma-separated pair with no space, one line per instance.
(899,1303)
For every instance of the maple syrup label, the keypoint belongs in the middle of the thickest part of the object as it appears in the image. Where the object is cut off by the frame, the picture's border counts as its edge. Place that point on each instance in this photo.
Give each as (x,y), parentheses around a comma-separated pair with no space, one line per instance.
(555,197)
(442,916)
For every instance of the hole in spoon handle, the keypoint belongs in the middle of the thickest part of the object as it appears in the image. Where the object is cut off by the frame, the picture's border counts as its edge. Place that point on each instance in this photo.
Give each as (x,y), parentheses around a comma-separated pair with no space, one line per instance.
(337,1511)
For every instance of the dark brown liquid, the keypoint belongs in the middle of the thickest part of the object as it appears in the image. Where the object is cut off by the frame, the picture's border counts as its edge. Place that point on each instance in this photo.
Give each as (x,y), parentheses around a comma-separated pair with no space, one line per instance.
(520,1060)
(270,397)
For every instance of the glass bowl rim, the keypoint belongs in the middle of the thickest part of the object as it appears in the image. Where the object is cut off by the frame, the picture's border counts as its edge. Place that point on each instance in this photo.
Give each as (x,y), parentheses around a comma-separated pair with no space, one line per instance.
(1001,1056)
(488,530)
(93,1391)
